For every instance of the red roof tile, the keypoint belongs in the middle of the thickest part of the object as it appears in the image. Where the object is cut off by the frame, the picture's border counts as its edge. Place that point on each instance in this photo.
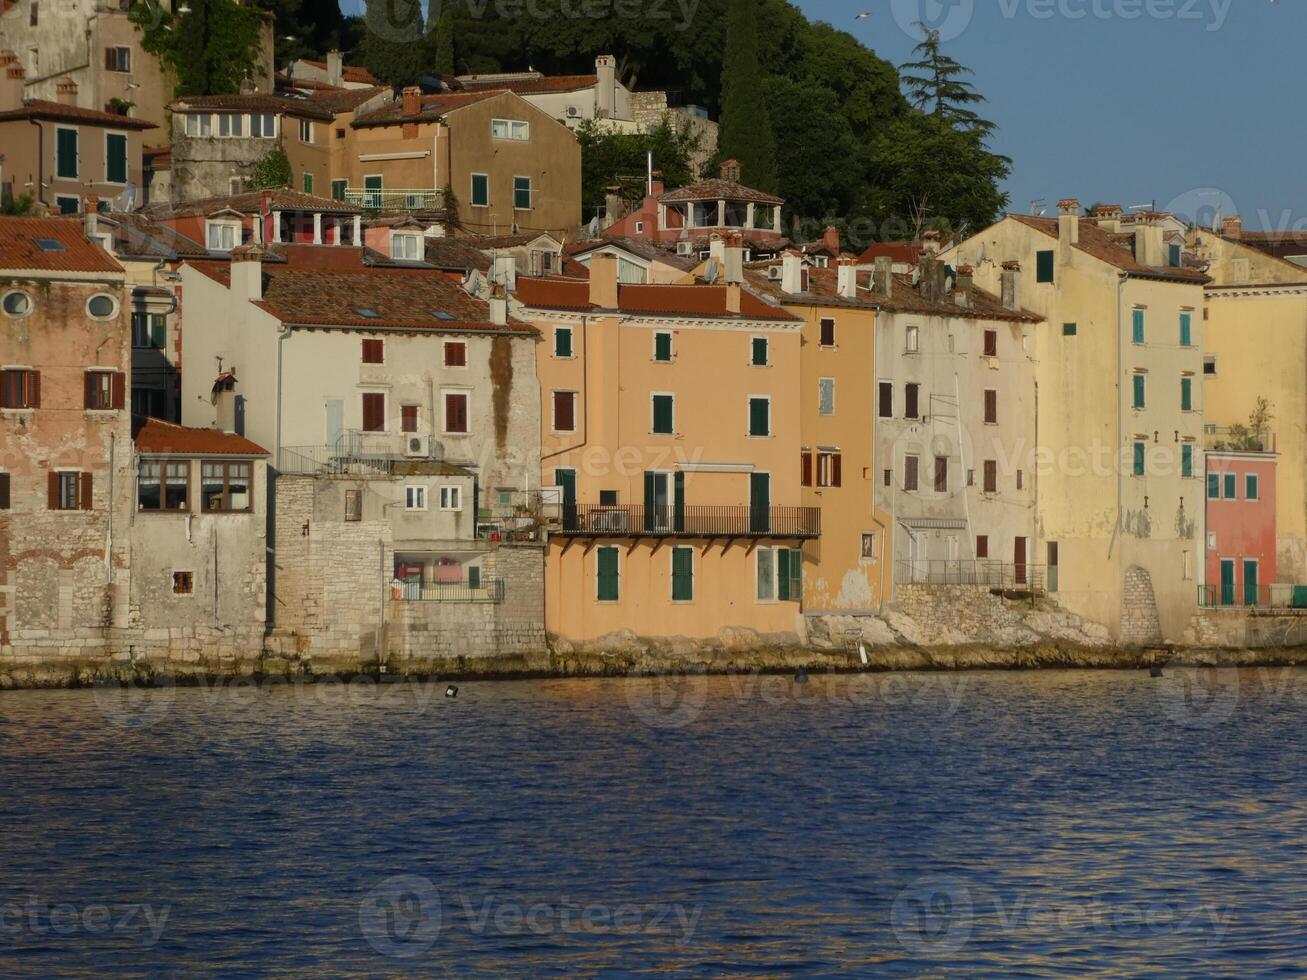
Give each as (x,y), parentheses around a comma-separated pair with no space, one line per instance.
(19,251)
(156,437)
(41,109)
(906,252)
(716,189)
(254,102)
(698,300)
(430,107)
(349,73)
(1102,246)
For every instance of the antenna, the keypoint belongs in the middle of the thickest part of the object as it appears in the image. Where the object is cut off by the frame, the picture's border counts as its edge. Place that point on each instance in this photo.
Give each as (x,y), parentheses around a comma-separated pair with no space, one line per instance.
(649,176)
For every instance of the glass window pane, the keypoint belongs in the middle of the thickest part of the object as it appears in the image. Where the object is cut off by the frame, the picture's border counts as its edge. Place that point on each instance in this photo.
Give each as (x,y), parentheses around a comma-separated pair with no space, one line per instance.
(766,574)
(147,488)
(176,486)
(211,487)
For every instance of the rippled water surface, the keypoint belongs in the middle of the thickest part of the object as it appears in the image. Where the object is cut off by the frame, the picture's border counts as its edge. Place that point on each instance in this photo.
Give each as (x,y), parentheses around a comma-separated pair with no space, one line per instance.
(1035,824)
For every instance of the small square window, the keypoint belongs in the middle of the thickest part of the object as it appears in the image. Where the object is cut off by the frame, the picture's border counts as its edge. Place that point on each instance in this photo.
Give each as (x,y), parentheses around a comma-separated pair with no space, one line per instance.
(183,583)
(1069,329)
(608,498)
(374,351)
(869,546)
(455,354)
(415,498)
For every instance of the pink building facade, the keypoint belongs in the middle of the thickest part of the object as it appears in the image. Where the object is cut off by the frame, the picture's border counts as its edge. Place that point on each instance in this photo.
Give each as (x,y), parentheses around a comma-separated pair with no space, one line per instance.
(1241,558)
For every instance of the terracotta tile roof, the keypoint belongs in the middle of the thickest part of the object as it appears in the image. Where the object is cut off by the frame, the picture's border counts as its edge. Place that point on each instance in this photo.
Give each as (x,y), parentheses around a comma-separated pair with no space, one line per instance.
(402,298)
(455,254)
(908,252)
(155,437)
(1102,246)
(138,234)
(57,111)
(253,102)
(430,107)
(341,100)
(641,247)
(698,300)
(530,86)
(251,202)
(157,157)
(716,189)
(19,249)
(507,241)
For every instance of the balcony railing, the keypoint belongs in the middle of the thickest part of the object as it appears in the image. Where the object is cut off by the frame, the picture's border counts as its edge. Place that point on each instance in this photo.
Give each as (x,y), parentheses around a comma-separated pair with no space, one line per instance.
(690,522)
(1012,576)
(396,199)
(1249,596)
(1238,438)
(352,460)
(489,590)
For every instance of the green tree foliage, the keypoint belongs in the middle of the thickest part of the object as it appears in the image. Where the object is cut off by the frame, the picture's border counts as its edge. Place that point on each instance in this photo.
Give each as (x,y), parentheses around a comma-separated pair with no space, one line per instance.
(210,49)
(818,155)
(307,29)
(745,132)
(22,206)
(271,171)
(940,87)
(444,35)
(609,158)
(396,48)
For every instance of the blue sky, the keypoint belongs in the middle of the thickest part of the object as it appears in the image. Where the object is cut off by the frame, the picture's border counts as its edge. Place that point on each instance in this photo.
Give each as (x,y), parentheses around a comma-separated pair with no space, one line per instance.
(1202,108)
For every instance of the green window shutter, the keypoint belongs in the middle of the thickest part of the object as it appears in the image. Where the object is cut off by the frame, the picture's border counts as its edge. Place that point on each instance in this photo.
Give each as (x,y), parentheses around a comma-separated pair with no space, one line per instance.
(158,330)
(789,563)
(609,589)
(1213,486)
(566,479)
(1231,486)
(682,574)
(480,190)
(1173,255)
(66,153)
(1139,391)
(1139,459)
(1187,394)
(115,158)
(1186,330)
(1044,266)
(662,414)
(678,505)
(650,502)
(662,347)
(759,351)
(338,189)
(308,183)
(1250,487)
(474,577)
(759,417)
(1069,330)
(562,343)
(1186,460)
(1137,327)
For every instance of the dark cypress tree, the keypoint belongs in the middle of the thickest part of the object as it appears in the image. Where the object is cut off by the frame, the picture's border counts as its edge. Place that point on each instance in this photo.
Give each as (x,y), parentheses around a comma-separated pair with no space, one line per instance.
(445,39)
(395,45)
(939,87)
(745,131)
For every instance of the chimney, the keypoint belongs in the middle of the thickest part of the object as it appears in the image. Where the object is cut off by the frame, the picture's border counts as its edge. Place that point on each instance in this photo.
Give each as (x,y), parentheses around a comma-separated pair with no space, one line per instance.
(831,239)
(733,259)
(90,215)
(247,272)
(11,81)
(1068,221)
(1149,239)
(930,243)
(791,271)
(1232,227)
(730,170)
(66,92)
(717,249)
(614,205)
(884,276)
(606,87)
(1010,278)
(504,272)
(658,184)
(603,281)
(846,278)
(410,100)
(335,69)
(963,285)
(1108,217)
(732,297)
(498,305)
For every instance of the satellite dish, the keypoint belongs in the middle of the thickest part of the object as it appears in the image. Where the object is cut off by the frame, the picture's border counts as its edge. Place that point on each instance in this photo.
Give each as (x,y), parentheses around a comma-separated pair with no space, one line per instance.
(592,229)
(127,199)
(710,273)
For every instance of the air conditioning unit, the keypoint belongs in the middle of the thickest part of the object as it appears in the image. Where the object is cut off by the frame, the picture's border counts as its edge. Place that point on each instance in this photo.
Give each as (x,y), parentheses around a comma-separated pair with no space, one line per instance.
(609,521)
(685,248)
(417,446)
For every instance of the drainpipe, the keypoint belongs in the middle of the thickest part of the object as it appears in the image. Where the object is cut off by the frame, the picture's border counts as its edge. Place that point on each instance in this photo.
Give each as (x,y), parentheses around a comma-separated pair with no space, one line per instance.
(40,157)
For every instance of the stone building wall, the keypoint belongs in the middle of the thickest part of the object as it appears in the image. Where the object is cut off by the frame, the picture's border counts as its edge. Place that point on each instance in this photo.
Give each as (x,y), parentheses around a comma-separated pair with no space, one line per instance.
(1140,623)
(649,109)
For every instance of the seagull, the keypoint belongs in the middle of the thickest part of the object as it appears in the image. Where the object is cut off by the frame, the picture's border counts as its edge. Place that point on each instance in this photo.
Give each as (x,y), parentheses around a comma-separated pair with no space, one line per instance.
(863,16)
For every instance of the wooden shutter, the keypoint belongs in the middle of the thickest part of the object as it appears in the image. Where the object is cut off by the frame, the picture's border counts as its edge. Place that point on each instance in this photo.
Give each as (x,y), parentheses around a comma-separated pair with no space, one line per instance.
(373,352)
(84,491)
(678,501)
(608,581)
(941,474)
(33,389)
(911,402)
(159,331)
(119,389)
(982,545)
(682,574)
(109,61)
(88,389)
(991,343)
(4,491)
(886,399)
(835,469)
(991,476)
(991,406)
(374,411)
(455,413)
(564,411)
(807,469)
(909,472)
(409,418)
(52,491)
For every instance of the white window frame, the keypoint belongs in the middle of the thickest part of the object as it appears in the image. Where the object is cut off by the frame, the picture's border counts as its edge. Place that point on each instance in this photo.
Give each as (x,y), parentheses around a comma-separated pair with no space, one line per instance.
(530,192)
(306,130)
(107,317)
(411,237)
(216,224)
(451,498)
(120,49)
(571,343)
(444,410)
(518,130)
(69,197)
(774,581)
(912,340)
(415,496)
(31,303)
(471,190)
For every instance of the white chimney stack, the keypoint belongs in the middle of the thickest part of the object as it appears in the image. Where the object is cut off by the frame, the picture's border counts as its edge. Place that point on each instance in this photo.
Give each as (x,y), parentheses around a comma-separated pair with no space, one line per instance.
(1068,221)
(791,272)
(846,279)
(247,272)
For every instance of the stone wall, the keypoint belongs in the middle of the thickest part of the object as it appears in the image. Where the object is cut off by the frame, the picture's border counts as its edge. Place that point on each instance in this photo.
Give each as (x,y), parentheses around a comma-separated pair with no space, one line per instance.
(1247,629)
(649,109)
(1140,623)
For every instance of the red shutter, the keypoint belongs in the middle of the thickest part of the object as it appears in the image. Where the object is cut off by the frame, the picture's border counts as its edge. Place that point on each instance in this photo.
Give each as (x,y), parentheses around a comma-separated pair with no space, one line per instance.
(456,413)
(564,411)
(4,491)
(374,411)
(835,469)
(119,389)
(33,389)
(52,491)
(84,491)
(807,469)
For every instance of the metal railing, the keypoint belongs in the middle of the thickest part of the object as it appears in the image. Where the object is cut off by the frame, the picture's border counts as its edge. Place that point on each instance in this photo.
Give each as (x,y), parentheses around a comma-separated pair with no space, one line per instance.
(354,453)
(1238,438)
(689,522)
(1244,595)
(487,590)
(396,198)
(974,571)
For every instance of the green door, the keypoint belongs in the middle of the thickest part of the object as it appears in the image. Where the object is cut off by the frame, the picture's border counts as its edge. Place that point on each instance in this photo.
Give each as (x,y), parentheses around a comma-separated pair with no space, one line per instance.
(1227,581)
(759,503)
(566,479)
(608,586)
(372,192)
(66,153)
(1250,583)
(115,158)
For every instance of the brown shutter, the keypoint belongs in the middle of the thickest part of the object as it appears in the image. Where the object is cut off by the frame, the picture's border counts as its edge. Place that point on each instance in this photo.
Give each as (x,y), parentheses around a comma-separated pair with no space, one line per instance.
(34,389)
(52,491)
(835,467)
(88,389)
(564,411)
(109,59)
(119,389)
(456,412)
(374,411)
(807,469)
(84,491)
(4,491)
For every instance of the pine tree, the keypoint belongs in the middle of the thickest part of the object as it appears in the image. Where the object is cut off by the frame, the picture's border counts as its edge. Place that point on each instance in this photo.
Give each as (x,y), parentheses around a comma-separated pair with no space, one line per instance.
(745,130)
(395,45)
(445,39)
(940,87)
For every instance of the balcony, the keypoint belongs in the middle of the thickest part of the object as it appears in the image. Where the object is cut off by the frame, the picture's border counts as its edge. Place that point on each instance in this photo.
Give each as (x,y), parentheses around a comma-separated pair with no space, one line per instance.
(1253,596)
(578,520)
(1238,439)
(396,199)
(491,591)
(1008,576)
